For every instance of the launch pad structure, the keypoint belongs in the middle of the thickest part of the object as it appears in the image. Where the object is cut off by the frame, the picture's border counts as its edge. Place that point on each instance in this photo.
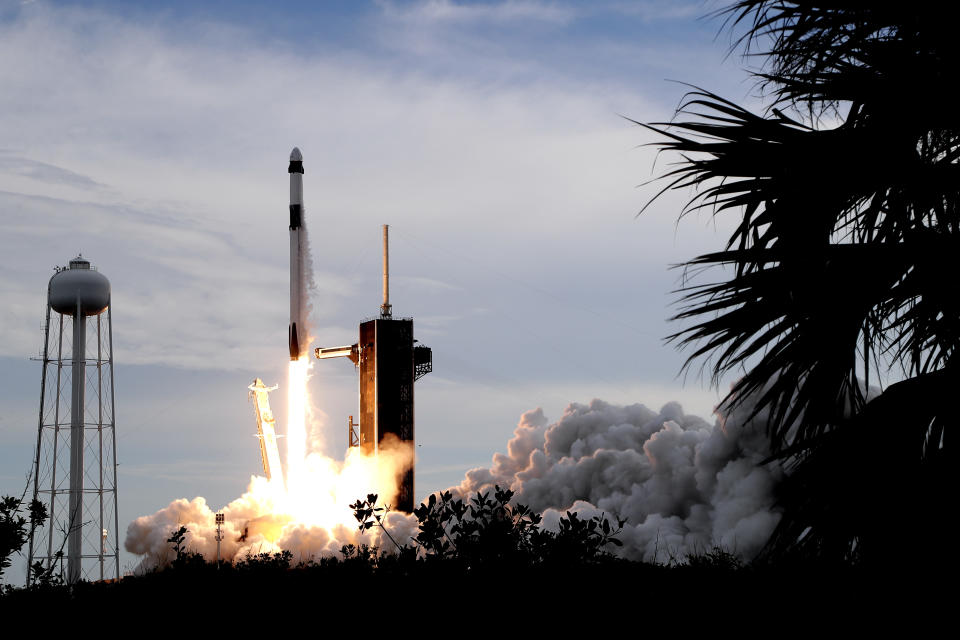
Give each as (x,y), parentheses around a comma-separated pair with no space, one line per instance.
(266,430)
(390,362)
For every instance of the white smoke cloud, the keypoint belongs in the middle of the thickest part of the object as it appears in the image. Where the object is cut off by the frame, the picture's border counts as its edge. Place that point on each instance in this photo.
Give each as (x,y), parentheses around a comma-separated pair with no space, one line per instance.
(266,520)
(683,484)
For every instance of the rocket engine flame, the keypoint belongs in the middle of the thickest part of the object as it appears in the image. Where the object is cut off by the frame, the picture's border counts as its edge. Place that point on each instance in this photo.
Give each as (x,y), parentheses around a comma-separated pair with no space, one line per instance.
(309,515)
(298,374)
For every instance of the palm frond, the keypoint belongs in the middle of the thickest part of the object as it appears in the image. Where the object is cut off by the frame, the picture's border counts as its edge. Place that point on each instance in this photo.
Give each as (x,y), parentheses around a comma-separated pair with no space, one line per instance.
(846,240)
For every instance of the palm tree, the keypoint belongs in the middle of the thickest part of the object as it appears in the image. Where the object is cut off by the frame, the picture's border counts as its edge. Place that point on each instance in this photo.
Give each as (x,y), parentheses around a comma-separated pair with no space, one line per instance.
(844,261)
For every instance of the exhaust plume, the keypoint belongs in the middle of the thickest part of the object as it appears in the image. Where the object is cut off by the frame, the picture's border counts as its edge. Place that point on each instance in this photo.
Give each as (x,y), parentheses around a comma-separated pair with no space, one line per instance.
(266,519)
(683,484)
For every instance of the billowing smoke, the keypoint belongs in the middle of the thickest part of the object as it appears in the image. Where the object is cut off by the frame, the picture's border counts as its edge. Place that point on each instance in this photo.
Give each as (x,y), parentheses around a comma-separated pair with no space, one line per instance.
(683,484)
(268,519)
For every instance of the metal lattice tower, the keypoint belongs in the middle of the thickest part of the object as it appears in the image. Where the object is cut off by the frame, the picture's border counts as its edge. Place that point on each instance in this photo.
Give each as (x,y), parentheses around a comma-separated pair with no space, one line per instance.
(75,473)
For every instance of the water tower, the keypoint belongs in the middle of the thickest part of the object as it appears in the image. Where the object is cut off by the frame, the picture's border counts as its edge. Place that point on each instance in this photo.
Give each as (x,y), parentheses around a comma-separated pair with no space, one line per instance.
(75,473)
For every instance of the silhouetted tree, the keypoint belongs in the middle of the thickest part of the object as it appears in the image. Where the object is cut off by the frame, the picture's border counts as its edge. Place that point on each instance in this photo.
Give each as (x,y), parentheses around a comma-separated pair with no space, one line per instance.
(490,532)
(14,531)
(843,262)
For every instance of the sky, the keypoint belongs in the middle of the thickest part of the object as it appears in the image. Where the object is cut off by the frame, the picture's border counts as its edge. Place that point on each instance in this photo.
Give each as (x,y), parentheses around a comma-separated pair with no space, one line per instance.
(493,137)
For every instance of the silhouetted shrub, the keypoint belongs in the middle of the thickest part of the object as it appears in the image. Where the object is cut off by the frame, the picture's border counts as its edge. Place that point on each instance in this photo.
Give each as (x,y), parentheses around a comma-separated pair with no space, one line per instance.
(489,532)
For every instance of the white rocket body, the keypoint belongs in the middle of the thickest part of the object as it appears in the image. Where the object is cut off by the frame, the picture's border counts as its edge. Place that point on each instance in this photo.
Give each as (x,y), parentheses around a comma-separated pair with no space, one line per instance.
(298,303)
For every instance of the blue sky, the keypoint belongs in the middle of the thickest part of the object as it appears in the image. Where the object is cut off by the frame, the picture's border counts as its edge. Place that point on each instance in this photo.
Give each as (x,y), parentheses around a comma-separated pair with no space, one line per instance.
(154,137)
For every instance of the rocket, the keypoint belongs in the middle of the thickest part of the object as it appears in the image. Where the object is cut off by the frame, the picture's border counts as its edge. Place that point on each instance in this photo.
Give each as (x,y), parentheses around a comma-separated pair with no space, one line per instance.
(298,304)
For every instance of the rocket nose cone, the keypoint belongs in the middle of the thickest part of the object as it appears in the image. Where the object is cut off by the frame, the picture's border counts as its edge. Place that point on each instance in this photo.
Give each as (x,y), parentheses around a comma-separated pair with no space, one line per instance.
(295,155)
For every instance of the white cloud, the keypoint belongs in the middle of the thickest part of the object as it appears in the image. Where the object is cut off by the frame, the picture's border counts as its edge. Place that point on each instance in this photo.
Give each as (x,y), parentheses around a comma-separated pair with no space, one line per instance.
(420,282)
(656,10)
(43,172)
(449,12)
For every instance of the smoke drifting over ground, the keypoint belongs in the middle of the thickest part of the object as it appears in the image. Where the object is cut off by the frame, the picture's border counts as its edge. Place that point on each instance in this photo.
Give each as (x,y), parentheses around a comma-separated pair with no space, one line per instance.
(683,484)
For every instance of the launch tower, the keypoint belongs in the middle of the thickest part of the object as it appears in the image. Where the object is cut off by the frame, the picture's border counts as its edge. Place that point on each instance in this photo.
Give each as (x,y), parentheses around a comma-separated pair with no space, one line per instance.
(266,431)
(389,362)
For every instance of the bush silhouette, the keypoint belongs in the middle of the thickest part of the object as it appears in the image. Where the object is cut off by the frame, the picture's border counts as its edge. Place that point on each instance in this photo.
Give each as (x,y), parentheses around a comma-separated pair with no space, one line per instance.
(490,532)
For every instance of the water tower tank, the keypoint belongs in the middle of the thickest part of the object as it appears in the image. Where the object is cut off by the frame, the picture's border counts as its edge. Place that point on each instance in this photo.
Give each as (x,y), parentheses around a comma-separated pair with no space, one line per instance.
(79,285)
